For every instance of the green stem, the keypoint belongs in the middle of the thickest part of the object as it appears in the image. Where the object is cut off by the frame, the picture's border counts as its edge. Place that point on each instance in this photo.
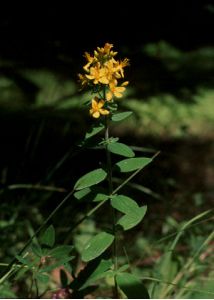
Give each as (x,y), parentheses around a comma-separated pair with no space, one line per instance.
(36,187)
(110,187)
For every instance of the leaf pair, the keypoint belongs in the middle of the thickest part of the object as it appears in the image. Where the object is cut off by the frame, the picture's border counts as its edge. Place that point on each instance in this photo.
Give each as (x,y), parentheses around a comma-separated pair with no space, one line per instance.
(98,175)
(133,214)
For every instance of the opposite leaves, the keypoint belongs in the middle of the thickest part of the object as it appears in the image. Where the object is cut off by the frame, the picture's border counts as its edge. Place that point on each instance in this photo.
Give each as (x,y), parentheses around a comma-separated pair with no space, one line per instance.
(133,214)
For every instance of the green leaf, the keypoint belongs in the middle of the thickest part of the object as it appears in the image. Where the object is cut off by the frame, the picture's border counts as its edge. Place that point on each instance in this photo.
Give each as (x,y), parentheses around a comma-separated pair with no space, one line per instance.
(100,197)
(121,116)
(20,273)
(133,213)
(61,251)
(48,237)
(36,249)
(132,287)
(42,278)
(98,273)
(129,221)
(90,179)
(57,264)
(92,194)
(24,261)
(124,204)
(82,193)
(132,164)
(120,149)
(97,245)
(123,268)
(68,267)
(94,131)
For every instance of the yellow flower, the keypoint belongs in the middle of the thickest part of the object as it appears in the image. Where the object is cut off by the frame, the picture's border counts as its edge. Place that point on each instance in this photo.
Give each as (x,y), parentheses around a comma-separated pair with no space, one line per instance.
(97,109)
(90,60)
(97,74)
(120,66)
(109,70)
(115,91)
(83,80)
(102,68)
(106,50)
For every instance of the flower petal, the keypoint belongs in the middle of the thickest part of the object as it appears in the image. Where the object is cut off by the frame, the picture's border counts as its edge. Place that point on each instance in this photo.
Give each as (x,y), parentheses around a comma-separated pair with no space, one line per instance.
(104,111)
(109,95)
(100,104)
(96,114)
(118,94)
(94,104)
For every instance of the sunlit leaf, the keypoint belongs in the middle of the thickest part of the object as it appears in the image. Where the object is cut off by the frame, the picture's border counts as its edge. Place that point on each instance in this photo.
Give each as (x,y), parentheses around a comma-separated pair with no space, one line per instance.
(121,116)
(124,204)
(133,213)
(120,149)
(79,195)
(90,179)
(129,221)
(132,164)
(97,245)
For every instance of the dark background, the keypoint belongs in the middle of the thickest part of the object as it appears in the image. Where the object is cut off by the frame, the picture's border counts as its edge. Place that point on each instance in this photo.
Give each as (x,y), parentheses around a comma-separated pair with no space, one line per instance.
(37,34)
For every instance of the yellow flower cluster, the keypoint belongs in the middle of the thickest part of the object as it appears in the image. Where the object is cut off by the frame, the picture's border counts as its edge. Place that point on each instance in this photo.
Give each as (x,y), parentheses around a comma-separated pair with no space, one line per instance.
(102,73)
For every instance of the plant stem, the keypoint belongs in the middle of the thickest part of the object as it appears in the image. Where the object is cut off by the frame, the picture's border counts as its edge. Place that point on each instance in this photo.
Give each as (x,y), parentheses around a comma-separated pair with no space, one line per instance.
(110,187)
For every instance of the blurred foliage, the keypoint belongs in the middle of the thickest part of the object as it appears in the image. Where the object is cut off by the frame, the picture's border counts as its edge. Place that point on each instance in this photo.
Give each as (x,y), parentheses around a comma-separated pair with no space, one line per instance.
(176,84)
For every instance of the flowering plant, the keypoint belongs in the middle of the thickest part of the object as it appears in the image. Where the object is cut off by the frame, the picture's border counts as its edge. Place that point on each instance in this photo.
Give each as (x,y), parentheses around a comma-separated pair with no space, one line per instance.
(104,76)
(102,73)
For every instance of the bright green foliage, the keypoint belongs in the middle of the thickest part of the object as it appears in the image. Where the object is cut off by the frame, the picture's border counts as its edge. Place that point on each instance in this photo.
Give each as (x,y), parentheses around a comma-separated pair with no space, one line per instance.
(91,178)
(120,149)
(133,213)
(121,116)
(97,245)
(132,164)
